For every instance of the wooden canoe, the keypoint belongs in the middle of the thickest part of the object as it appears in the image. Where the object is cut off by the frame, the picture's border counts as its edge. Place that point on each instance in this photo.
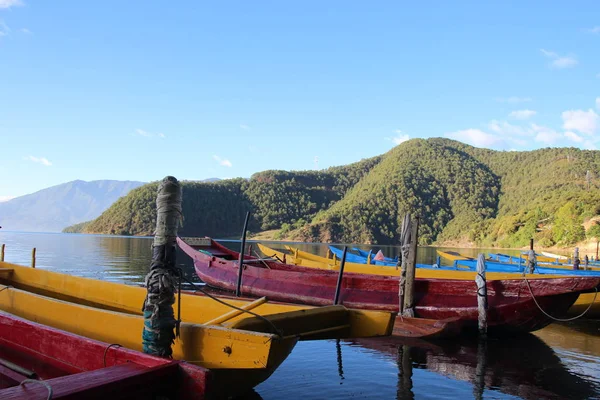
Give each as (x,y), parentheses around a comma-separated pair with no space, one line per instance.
(585,301)
(339,321)
(78,367)
(511,307)
(233,355)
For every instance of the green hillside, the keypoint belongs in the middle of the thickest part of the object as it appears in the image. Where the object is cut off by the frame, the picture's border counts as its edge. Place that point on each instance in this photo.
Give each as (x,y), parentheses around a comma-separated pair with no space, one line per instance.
(462,194)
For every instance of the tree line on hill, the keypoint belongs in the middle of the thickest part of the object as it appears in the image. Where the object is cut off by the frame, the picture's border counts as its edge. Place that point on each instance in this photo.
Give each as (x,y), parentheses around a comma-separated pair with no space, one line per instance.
(461,193)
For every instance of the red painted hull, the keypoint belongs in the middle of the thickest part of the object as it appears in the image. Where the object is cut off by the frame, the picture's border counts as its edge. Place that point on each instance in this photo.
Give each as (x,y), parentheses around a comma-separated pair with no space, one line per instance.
(510,305)
(76,367)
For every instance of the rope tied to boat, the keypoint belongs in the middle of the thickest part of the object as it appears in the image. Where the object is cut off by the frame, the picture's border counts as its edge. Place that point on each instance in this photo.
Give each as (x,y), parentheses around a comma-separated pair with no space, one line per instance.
(6,288)
(115,345)
(46,384)
(481,276)
(560,319)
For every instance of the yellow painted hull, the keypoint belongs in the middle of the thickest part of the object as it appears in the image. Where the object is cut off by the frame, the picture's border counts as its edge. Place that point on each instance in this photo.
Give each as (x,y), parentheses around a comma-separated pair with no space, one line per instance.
(200,344)
(194,309)
(450,256)
(583,303)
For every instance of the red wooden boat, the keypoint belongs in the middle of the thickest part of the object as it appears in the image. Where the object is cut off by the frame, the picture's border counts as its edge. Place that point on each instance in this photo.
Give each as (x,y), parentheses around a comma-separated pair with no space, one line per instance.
(510,304)
(36,360)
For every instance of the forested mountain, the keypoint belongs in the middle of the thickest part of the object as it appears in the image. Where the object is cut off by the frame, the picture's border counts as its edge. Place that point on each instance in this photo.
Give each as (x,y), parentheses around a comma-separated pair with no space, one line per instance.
(53,208)
(461,193)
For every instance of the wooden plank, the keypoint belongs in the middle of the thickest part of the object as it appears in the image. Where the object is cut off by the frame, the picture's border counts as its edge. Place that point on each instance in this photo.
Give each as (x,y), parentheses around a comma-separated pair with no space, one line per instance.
(126,381)
(6,270)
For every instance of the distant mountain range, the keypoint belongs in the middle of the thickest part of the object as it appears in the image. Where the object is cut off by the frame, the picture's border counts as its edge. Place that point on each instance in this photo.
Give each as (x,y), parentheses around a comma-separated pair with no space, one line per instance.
(54,208)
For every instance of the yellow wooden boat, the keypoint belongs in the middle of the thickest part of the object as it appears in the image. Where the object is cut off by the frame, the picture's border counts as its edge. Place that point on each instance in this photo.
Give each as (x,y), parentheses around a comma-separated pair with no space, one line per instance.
(452,255)
(299,257)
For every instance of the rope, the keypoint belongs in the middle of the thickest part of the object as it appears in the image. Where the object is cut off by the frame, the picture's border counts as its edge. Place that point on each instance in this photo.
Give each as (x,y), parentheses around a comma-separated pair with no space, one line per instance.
(106,351)
(5,288)
(275,329)
(480,275)
(50,392)
(560,319)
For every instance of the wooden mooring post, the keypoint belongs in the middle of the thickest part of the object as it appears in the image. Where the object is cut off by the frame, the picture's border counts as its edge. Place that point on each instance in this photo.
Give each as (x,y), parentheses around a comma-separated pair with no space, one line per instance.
(482,300)
(161,281)
(2,252)
(33,258)
(338,287)
(409,289)
(238,287)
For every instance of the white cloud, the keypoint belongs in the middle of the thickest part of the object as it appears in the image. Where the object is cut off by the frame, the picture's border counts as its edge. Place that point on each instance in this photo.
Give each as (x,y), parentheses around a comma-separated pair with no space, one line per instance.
(399,138)
(505,129)
(514,99)
(595,29)
(574,137)
(144,133)
(6,198)
(10,3)
(40,160)
(4,29)
(522,114)
(245,127)
(222,161)
(545,135)
(558,61)
(583,121)
(476,137)
(26,31)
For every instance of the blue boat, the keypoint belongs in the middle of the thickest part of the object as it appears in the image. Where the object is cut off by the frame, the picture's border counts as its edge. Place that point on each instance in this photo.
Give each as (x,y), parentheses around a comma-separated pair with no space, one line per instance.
(358,259)
(369,254)
(494,266)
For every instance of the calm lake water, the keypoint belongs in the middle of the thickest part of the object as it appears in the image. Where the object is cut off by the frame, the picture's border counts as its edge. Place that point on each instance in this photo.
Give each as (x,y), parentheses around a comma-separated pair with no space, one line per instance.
(560,361)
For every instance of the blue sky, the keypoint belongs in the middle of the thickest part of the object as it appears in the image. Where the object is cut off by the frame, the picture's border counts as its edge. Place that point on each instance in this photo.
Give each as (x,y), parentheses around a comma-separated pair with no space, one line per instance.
(136,90)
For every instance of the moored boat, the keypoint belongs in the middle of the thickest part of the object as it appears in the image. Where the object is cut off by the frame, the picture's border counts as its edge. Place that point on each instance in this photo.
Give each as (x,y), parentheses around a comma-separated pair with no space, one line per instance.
(244,356)
(511,302)
(35,358)
(586,302)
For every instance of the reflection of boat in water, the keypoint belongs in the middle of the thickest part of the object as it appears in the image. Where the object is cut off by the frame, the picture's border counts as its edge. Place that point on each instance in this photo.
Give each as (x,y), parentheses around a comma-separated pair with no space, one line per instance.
(523,366)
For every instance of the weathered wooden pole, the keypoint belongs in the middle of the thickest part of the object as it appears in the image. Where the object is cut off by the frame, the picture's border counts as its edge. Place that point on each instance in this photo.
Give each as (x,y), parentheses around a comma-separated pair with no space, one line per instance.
(161,281)
(531,259)
(597,246)
(482,300)
(338,287)
(403,260)
(33,258)
(409,289)
(238,287)
(2,252)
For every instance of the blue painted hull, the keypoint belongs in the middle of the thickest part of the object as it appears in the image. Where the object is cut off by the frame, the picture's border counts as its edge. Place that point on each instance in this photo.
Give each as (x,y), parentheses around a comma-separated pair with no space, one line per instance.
(493,266)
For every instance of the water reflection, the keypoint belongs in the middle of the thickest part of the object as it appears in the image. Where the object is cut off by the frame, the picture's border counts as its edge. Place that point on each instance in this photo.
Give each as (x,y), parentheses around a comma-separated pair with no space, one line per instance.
(521,366)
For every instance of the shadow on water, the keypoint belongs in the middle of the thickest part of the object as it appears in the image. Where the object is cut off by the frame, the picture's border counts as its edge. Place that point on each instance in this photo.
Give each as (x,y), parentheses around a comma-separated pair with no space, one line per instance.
(523,366)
